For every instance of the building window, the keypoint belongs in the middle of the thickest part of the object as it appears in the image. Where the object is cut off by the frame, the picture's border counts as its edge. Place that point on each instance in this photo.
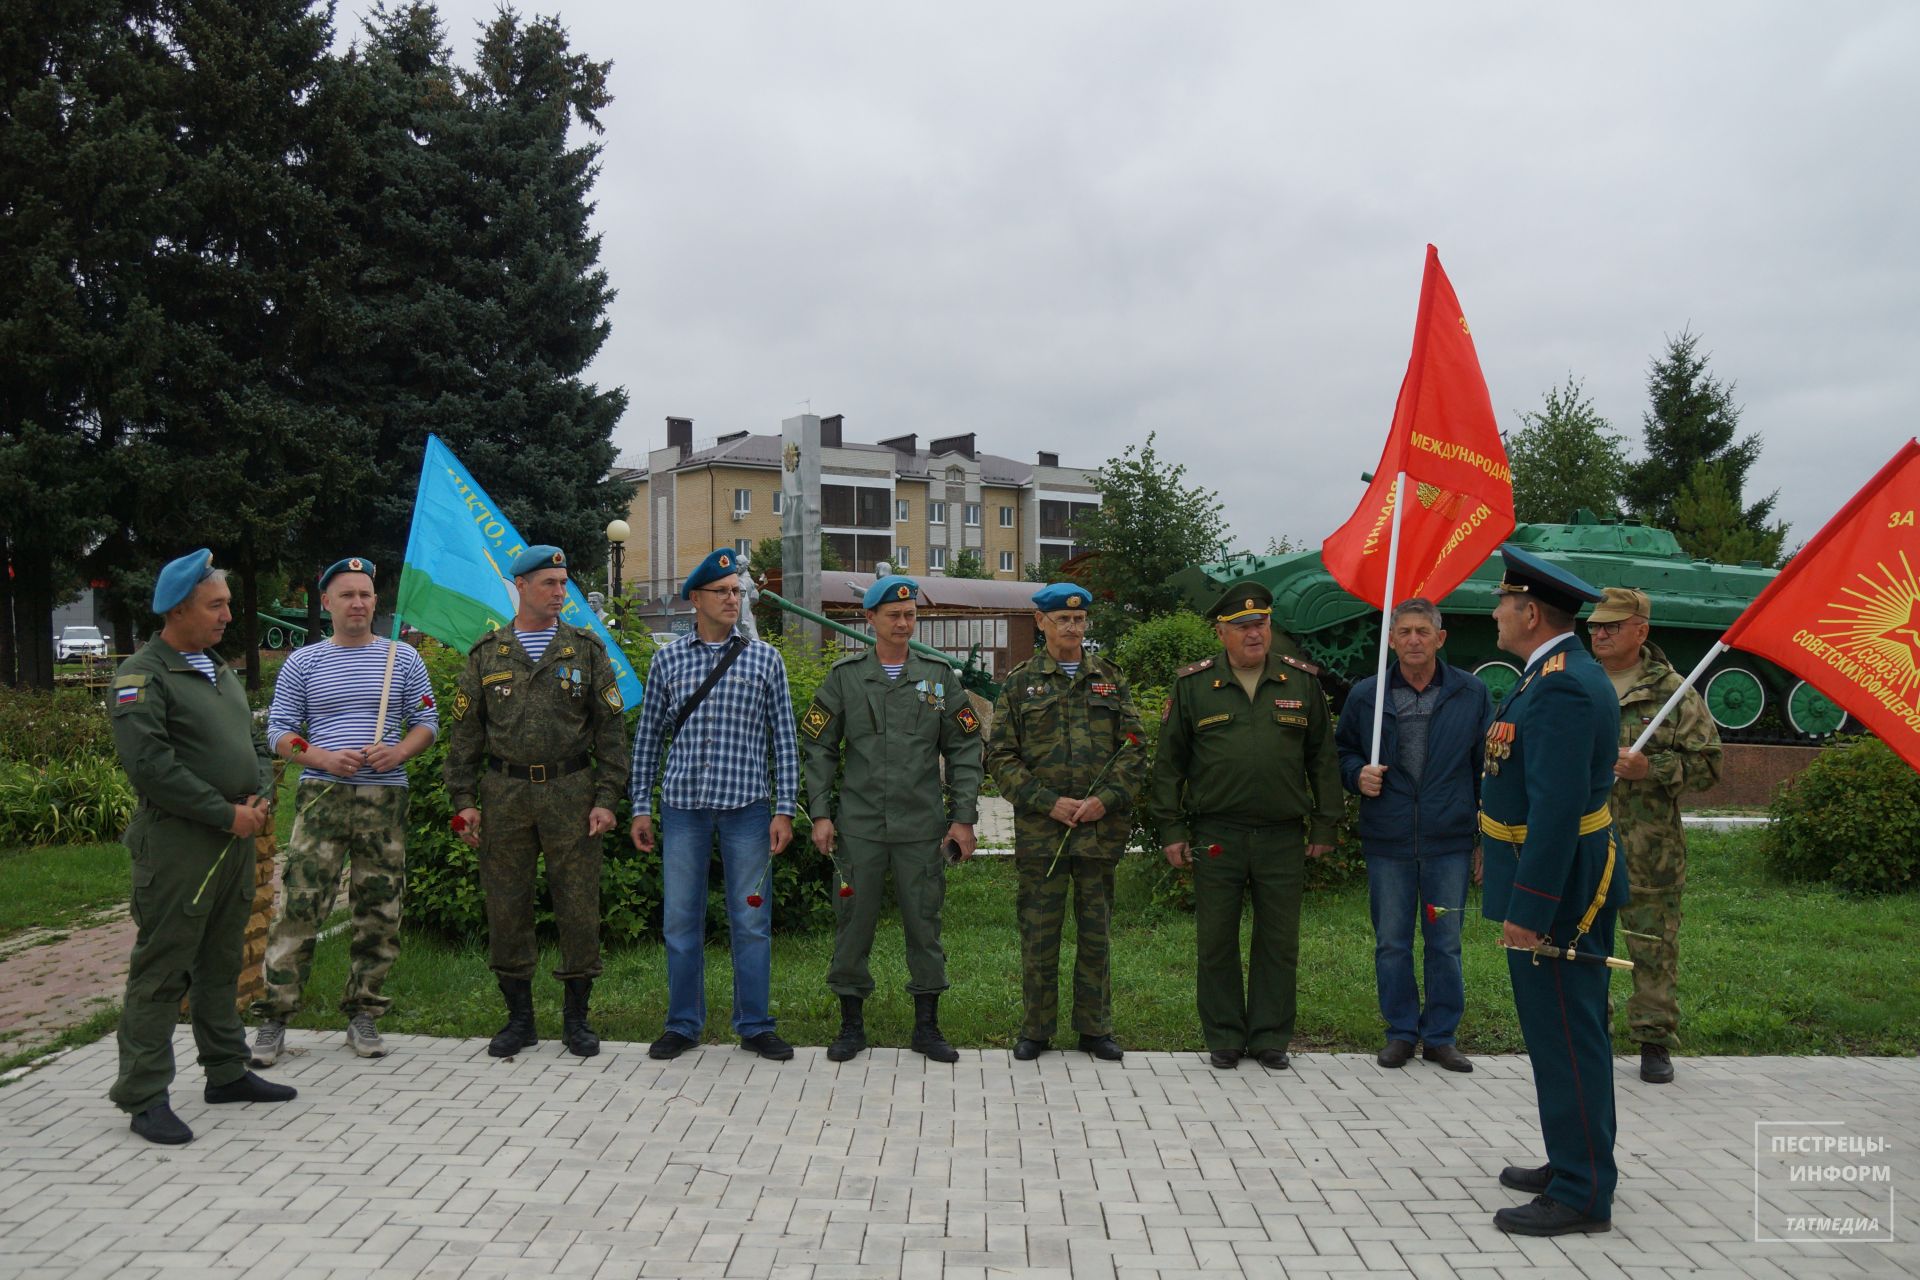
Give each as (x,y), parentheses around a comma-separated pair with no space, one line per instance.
(936,513)
(901,511)
(972,511)
(1006,517)
(742,501)
(848,506)
(743,547)
(779,502)
(860,552)
(1056,518)
(899,557)
(1006,562)
(936,558)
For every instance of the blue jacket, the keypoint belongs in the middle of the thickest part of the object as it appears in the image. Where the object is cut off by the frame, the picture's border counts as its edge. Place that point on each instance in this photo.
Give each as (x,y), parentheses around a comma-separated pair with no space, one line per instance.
(1442,815)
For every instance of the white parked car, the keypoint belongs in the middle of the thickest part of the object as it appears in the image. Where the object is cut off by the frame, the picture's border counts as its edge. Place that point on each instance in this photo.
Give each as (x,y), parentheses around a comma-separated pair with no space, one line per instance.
(76,642)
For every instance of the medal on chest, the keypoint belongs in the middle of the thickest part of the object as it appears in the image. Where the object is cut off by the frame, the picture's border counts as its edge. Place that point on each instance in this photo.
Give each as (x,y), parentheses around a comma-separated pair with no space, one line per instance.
(1500,737)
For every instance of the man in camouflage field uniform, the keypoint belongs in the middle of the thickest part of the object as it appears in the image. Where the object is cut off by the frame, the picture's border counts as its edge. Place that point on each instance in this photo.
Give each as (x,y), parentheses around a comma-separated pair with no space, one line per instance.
(352,805)
(1683,755)
(539,702)
(895,716)
(1066,750)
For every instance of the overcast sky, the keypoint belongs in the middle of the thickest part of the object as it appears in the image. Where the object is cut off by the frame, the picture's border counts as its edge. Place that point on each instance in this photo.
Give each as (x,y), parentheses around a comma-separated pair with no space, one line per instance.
(1064,225)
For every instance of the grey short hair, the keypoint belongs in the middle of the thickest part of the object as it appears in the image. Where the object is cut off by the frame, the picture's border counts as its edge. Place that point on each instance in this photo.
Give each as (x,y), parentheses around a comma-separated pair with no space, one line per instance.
(1416,604)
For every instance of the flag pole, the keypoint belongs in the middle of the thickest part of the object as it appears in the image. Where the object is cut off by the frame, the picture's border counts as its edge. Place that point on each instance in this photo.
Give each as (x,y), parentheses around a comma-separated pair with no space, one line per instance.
(386,684)
(1386,610)
(1718,647)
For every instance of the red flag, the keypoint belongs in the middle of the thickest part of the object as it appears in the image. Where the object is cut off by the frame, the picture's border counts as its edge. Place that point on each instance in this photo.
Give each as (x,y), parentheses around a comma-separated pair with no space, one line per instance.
(1844,615)
(1459,490)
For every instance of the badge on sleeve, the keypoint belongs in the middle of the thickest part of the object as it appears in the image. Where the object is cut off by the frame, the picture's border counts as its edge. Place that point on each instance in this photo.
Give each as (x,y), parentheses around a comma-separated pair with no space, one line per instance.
(969,722)
(815,722)
(611,696)
(460,704)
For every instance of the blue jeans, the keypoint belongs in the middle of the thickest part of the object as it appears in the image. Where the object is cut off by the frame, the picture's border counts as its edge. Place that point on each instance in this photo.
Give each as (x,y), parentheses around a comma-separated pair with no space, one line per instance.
(1399,890)
(686,847)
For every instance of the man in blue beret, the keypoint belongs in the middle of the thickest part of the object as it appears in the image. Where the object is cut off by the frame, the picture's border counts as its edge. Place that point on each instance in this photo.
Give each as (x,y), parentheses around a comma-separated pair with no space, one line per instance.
(722,702)
(539,708)
(1067,750)
(326,717)
(892,717)
(1554,874)
(205,780)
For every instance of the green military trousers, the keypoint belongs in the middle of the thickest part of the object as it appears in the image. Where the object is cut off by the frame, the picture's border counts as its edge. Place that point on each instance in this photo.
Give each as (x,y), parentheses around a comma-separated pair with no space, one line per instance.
(192,894)
(920,885)
(519,820)
(365,830)
(1231,864)
(1042,901)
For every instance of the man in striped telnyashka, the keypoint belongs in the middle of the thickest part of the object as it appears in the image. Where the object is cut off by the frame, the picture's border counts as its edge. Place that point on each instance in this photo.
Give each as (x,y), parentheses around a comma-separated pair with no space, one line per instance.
(352,806)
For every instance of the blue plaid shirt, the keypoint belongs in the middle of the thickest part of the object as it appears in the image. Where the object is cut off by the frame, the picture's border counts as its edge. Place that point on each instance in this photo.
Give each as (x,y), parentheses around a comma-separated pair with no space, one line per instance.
(719,757)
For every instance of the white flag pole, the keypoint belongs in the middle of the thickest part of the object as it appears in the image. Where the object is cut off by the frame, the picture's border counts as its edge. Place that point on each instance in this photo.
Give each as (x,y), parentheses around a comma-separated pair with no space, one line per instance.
(1719,647)
(386,686)
(1386,610)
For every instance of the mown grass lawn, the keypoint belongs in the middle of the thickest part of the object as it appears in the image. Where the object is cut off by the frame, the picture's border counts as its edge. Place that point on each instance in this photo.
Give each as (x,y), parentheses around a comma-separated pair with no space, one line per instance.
(61,885)
(1766,968)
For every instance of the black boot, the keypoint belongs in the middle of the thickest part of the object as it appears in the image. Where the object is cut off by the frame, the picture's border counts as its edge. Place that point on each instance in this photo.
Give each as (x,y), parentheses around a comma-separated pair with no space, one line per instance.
(926,1030)
(579,1037)
(518,1033)
(853,1031)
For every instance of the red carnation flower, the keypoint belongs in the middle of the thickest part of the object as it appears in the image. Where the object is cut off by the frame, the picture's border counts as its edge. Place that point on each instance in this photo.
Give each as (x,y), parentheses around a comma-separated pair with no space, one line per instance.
(1214,851)
(458,823)
(754,899)
(846,890)
(1434,913)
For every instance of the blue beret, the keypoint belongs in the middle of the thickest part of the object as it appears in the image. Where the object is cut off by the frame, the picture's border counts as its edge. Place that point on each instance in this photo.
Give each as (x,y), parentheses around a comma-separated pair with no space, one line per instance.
(721,562)
(534,559)
(1529,574)
(1062,595)
(890,590)
(352,564)
(177,581)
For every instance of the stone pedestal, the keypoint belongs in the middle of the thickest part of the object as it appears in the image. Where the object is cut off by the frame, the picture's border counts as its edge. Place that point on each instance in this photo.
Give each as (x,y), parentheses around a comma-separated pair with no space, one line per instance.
(253,954)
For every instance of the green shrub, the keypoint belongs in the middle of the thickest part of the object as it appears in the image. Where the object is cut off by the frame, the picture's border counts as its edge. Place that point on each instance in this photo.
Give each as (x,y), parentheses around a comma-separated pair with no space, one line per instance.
(1153,650)
(1851,817)
(40,728)
(84,801)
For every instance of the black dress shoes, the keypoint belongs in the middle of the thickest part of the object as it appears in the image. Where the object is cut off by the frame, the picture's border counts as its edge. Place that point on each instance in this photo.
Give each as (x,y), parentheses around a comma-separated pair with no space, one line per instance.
(1545,1216)
(1532,1181)
(1026,1049)
(1448,1056)
(1396,1053)
(1105,1048)
(671,1044)
(1224,1059)
(1273,1059)
(159,1124)
(250,1088)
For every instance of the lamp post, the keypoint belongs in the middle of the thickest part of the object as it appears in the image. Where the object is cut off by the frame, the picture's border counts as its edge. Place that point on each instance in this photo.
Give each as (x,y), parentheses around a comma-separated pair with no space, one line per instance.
(617,533)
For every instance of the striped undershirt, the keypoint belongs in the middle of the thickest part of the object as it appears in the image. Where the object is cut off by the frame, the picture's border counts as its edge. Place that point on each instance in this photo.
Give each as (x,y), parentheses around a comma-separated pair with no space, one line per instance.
(893,669)
(535,642)
(329,694)
(1071,668)
(204,665)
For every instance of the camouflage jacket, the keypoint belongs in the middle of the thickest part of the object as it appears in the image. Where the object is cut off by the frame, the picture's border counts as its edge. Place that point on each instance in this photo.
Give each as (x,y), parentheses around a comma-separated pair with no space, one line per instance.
(546,712)
(1052,736)
(1683,755)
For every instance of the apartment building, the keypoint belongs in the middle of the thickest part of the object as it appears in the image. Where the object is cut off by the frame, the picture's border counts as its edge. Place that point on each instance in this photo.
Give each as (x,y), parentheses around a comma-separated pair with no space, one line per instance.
(896,500)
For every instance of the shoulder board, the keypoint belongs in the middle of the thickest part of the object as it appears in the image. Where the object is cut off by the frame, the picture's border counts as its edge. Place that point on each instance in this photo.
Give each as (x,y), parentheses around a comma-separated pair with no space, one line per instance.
(1015,672)
(857,656)
(583,633)
(1192,667)
(1558,662)
(1300,665)
(483,642)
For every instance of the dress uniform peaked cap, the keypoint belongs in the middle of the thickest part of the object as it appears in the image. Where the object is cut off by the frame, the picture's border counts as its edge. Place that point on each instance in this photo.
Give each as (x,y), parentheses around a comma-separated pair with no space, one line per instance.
(352,564)
(1061,595)
(721,562)
(534,559)
(891,589)
(1244,599)
(1530,575)
(177,581)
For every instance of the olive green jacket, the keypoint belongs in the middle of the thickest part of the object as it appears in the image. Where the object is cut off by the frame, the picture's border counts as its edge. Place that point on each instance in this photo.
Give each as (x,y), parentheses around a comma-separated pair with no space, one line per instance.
(1053,735)
(1259,763)
(190,746)
(893,735)
(1683,755)
(549,712)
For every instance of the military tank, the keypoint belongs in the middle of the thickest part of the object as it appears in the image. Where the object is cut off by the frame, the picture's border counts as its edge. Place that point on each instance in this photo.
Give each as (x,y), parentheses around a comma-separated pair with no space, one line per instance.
(1693,602)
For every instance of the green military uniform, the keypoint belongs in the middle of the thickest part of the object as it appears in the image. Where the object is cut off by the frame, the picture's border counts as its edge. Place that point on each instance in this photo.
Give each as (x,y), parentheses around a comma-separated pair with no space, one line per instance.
(1249,782)
(192,751)
(1058,735)
(887,739)
(1683,755)
(554,746)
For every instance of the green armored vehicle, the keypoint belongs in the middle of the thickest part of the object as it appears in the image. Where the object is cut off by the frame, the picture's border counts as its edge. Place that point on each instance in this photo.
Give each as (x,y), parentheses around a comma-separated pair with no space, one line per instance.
(1693,602)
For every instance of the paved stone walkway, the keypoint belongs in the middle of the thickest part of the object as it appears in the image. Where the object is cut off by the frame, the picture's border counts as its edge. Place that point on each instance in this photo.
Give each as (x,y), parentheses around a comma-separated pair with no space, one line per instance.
(52,979)
(438,1161)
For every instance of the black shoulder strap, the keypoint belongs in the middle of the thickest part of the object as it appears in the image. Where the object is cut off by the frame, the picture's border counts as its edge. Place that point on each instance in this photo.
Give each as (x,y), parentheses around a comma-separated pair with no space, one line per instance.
(735,647)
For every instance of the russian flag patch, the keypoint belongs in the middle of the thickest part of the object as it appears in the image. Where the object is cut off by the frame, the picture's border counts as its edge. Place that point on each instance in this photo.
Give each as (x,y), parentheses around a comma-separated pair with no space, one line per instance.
(122,697)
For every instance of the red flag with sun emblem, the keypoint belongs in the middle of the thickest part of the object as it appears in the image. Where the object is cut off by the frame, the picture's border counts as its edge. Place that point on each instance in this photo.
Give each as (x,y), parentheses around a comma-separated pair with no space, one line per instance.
(1844,615)
(1459,490)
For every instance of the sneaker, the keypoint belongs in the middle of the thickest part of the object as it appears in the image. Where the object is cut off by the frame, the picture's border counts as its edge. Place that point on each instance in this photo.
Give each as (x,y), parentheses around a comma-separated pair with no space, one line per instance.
(269,1042)
(1656,1064)
(159,1124)
(363,1038)
(669,1046)
(768,1045)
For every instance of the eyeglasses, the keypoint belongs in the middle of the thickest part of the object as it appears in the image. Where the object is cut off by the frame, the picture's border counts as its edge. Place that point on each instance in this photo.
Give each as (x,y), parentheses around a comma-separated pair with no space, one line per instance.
(1069,624)
(1608,628)
(725,593)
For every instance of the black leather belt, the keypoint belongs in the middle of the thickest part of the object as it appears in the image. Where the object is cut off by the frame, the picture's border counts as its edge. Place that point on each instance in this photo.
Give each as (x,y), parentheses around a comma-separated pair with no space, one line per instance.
(540,772)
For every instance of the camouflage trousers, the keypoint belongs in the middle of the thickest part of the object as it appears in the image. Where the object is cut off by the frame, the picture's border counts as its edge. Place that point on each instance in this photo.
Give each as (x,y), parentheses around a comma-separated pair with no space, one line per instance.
(1653,1011)
(364,829)
(1042,902)
(521,822)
